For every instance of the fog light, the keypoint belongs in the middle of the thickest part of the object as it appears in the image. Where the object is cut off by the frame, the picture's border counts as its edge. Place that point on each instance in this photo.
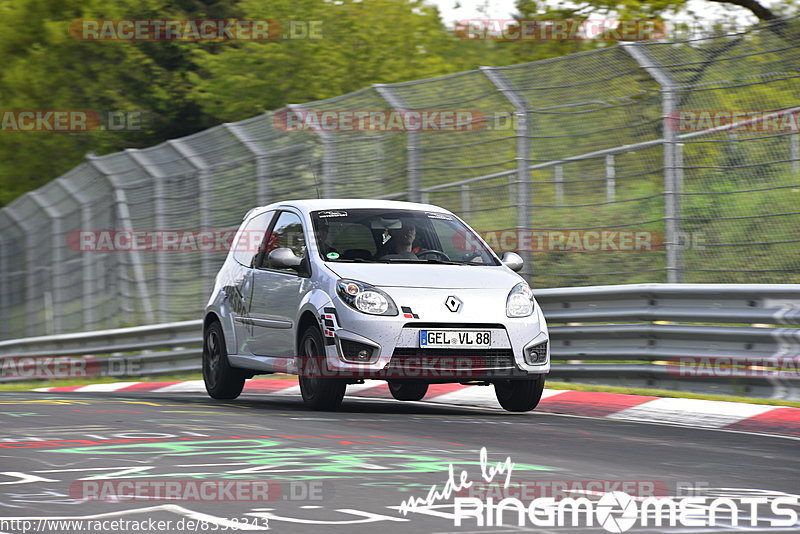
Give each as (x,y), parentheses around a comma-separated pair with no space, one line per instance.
(355,352)
(537,354)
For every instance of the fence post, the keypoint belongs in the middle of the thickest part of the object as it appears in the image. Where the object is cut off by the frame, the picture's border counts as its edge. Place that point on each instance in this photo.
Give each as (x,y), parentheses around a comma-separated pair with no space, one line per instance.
(124,216)
(204,203)
(522,155)
(794,151)
(669,109)
(412,143)
(558,178)
(261,160)
(53,322)
(159,210)
(465,207)
(328,156)
(86,258)
(611,178)
(30,283)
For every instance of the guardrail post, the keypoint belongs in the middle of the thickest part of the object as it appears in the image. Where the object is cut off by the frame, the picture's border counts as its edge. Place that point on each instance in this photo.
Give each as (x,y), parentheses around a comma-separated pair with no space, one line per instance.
(30,294)
(328,156)
(611,181)
(52,309)
(86,258)
(412,143)
(669,109)
(261,161)
(522,156)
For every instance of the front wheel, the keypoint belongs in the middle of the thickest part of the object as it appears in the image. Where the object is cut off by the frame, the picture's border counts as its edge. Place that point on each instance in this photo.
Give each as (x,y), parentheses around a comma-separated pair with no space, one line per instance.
(519,395)
(222,381)
(319,392)
(407,391)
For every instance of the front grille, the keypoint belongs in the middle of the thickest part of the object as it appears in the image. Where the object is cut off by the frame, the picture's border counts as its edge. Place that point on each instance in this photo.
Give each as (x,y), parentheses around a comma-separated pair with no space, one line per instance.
(419,358)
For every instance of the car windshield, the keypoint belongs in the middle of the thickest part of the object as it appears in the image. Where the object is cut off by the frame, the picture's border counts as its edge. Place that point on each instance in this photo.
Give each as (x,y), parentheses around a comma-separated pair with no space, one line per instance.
(397,236)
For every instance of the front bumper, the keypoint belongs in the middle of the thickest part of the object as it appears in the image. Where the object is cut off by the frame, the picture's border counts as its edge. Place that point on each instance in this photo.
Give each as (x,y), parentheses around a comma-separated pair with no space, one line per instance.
(396,352)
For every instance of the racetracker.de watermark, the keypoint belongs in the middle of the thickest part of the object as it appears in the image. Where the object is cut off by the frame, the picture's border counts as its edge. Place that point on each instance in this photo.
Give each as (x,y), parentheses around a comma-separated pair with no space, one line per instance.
(71,121)
(461,365)
(591,29)
(731,366)
(600,29)
(698,120)
(39,367)
(198,490)
(563,489)
(575,240)
(193,30)
(163,241)
(379,120)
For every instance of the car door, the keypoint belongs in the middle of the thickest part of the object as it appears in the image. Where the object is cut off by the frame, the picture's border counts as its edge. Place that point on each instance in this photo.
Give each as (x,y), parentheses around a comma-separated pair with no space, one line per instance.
(239,289)
(277,293)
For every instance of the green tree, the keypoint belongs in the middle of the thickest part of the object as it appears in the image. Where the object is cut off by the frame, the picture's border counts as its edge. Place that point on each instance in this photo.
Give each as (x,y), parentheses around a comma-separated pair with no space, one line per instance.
(45,68)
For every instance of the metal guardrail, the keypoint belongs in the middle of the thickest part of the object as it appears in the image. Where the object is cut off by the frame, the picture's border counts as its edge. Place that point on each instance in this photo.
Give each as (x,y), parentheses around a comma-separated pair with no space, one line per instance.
(136,351)
(739,323)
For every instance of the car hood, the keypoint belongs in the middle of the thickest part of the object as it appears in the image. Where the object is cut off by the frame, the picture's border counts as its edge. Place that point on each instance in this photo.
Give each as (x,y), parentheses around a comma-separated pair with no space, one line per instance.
(428,275)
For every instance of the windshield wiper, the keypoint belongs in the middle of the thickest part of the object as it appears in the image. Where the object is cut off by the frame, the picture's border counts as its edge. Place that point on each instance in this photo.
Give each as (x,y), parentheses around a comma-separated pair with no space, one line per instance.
(354,260)
(430,260)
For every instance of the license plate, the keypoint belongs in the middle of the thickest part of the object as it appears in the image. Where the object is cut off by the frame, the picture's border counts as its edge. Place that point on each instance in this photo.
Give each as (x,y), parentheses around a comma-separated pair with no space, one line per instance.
(455,339)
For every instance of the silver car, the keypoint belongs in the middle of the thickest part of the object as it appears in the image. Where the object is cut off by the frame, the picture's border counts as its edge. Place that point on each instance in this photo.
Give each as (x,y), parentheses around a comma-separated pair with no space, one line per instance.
(341,291)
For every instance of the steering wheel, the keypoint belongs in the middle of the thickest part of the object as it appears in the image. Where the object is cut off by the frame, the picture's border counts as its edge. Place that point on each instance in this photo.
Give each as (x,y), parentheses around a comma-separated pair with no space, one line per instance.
(439,253)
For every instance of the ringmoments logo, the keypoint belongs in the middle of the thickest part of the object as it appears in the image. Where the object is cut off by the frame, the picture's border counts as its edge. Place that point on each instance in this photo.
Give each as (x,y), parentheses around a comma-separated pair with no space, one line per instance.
(614,511)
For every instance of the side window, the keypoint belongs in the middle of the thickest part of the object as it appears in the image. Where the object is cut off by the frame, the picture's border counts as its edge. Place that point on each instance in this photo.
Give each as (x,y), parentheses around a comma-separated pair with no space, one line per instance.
(286,233)
(250,238)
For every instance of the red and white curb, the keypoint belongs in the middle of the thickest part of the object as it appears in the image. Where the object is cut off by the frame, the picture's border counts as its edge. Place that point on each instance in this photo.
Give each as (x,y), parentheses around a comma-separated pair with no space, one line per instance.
(737,416)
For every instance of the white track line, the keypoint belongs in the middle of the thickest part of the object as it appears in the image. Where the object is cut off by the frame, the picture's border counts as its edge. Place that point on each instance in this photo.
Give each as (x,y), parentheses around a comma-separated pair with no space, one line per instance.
(354,389)
(705,413)
(103,387)
(189,386)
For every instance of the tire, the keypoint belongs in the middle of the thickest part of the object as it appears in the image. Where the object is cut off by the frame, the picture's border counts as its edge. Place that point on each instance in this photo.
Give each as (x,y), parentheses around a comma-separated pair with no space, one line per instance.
(319,392)
(222,381)
(519,395)
(407,391)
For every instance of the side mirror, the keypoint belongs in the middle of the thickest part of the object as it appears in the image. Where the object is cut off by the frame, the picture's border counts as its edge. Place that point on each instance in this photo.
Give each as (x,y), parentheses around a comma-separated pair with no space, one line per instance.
(284,258)
(513,261)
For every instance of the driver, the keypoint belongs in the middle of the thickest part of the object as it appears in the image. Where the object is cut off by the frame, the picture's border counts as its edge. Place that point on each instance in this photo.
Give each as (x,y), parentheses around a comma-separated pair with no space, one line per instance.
(401,240)
(323,234)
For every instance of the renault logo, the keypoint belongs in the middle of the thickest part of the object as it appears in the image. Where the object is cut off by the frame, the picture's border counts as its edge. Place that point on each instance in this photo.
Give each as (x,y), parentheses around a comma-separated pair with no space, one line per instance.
(453,304)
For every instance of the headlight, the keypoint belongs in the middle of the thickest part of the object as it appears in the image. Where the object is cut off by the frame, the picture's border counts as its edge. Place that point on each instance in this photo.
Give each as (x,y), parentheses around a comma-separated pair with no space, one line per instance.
(520,301)
(365,298)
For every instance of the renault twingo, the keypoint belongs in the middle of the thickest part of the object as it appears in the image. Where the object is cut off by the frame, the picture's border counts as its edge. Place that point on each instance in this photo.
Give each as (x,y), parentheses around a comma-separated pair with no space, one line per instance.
(340,291)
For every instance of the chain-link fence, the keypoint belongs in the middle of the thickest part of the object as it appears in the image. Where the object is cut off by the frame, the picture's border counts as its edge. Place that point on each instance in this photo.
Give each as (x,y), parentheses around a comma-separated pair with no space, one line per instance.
(644,162)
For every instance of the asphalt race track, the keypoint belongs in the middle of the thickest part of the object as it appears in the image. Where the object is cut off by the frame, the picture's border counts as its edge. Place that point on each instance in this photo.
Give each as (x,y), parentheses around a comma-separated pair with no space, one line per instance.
(347,471)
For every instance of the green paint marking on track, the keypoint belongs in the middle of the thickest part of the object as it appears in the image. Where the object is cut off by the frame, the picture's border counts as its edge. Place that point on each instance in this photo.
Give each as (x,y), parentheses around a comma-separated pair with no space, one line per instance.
(289,462)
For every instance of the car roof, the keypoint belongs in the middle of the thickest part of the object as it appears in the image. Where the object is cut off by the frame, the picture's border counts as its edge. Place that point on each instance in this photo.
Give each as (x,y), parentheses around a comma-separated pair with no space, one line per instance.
(309,205)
